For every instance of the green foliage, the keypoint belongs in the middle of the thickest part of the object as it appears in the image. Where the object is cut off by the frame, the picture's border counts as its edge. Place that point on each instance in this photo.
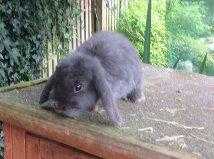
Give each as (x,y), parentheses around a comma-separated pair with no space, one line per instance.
(24,27)
(186,49)
(177,26)
(185,24)
(133,21)
(209,67)
(186,19)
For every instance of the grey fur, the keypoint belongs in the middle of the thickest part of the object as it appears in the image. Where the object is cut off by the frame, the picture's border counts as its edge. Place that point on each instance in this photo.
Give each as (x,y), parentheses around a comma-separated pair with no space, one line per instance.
(108,68)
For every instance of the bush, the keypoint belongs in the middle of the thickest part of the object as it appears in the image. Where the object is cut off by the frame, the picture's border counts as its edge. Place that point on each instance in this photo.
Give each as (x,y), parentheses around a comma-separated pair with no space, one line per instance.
(177,27)
(25,26)
(185,25)
(20,50)
(185,49)
(187,19)
(132,23)
(209,68)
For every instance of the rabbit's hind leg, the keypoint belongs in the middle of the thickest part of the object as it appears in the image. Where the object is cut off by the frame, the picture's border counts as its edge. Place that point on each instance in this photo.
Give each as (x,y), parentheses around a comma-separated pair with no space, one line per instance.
(136,95)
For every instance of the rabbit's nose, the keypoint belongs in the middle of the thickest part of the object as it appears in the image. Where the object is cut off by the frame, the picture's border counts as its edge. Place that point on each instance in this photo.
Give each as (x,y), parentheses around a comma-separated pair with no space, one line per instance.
(91,108)
(60,107)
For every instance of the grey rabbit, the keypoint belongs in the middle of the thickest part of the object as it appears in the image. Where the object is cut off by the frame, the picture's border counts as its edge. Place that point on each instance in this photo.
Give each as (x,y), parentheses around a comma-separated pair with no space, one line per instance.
(105,67)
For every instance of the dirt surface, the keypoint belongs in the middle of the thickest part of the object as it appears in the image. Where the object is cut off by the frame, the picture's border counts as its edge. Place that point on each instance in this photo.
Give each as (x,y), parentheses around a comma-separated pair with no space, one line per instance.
(178,112)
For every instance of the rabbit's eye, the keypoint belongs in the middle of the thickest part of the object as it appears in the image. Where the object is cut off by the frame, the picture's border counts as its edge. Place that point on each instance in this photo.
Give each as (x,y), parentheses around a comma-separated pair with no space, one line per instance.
(77,87)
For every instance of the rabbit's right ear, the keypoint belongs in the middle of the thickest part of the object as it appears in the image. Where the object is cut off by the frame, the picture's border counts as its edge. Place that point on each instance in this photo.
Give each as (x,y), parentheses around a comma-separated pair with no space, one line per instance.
(48,87)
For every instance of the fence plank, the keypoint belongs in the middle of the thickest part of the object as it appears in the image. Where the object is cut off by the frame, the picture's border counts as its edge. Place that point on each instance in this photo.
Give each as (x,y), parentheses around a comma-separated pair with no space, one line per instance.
(18,143)
(7,128)
(32,147)
(86,18)
(82,22)
(89,18)
(105,18)
(45,149)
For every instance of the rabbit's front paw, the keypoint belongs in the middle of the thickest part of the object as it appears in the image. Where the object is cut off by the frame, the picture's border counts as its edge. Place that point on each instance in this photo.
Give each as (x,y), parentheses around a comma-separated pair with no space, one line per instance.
(141,99)
(117,120)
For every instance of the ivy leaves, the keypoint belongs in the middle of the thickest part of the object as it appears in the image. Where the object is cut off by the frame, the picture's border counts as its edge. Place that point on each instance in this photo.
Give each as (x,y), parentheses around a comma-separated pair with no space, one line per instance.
(24,28)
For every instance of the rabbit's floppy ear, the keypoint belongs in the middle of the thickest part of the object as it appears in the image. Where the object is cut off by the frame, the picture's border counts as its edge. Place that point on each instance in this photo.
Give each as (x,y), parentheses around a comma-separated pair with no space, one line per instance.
(48,87)
(104,90)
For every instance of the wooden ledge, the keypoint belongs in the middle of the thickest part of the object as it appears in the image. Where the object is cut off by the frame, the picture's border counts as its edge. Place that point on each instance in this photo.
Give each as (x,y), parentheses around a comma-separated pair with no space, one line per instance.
(85,136)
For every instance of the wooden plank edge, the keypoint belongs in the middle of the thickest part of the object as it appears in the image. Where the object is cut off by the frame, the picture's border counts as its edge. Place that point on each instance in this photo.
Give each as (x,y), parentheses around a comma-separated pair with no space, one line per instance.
(82,135)
(8,146)
(23,85)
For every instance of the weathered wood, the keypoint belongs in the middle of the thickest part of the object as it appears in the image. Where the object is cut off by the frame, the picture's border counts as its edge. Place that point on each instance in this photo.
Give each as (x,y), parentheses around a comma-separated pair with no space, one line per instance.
(18,143)
(23,85)
(36,147)
(81,135)
(104,16)
(84,26)
(45,149)
(7,128)
(82,21)
(86,19)
(89,18)
(32,147)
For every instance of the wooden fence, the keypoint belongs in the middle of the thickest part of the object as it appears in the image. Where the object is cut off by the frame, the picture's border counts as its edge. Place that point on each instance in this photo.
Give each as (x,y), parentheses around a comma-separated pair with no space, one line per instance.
(95,15)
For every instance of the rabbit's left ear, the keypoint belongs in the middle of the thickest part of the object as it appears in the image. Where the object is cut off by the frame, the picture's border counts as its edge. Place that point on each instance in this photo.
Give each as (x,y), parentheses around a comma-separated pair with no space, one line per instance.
(104,90)
(48,87)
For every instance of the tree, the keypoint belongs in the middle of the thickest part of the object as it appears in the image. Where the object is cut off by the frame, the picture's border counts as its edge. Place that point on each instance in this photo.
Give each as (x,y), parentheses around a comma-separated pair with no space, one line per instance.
(147,35)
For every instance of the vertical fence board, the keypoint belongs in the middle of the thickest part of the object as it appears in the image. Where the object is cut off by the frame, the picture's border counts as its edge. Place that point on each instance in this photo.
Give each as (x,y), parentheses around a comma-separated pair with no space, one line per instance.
(58,150)
(95,16)
(104,16)
(32,147)
(45,149)
(99,14)
(82,21)
(89,18)
(18,143)
(7,128)
(107,21)
(74,37)
(86,19)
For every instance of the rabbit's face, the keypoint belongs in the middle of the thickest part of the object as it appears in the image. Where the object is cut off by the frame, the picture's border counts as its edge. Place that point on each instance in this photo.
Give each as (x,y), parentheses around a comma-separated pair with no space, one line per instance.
(74,89)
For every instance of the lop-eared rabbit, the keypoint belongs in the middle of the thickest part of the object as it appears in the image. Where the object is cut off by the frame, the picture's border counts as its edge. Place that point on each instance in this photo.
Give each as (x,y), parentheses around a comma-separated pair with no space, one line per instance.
(104,67)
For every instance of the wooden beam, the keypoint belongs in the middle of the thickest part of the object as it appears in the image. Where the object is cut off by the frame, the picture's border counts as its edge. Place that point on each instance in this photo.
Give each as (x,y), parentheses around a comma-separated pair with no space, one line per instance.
(85,136)
(23,85)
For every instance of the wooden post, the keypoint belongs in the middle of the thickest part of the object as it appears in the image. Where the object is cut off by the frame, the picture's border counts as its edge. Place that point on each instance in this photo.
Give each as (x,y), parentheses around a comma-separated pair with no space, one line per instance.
(104,16)
(82,21)
(90,17)
(96,15)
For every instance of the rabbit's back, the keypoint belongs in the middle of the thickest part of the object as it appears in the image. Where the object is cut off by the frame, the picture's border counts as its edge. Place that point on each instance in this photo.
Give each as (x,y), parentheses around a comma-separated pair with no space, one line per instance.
(118,57)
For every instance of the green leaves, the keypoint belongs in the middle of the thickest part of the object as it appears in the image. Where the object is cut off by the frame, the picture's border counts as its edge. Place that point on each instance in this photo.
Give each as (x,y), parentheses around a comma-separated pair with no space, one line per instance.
(25,26)
(186,19)
(133,24)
